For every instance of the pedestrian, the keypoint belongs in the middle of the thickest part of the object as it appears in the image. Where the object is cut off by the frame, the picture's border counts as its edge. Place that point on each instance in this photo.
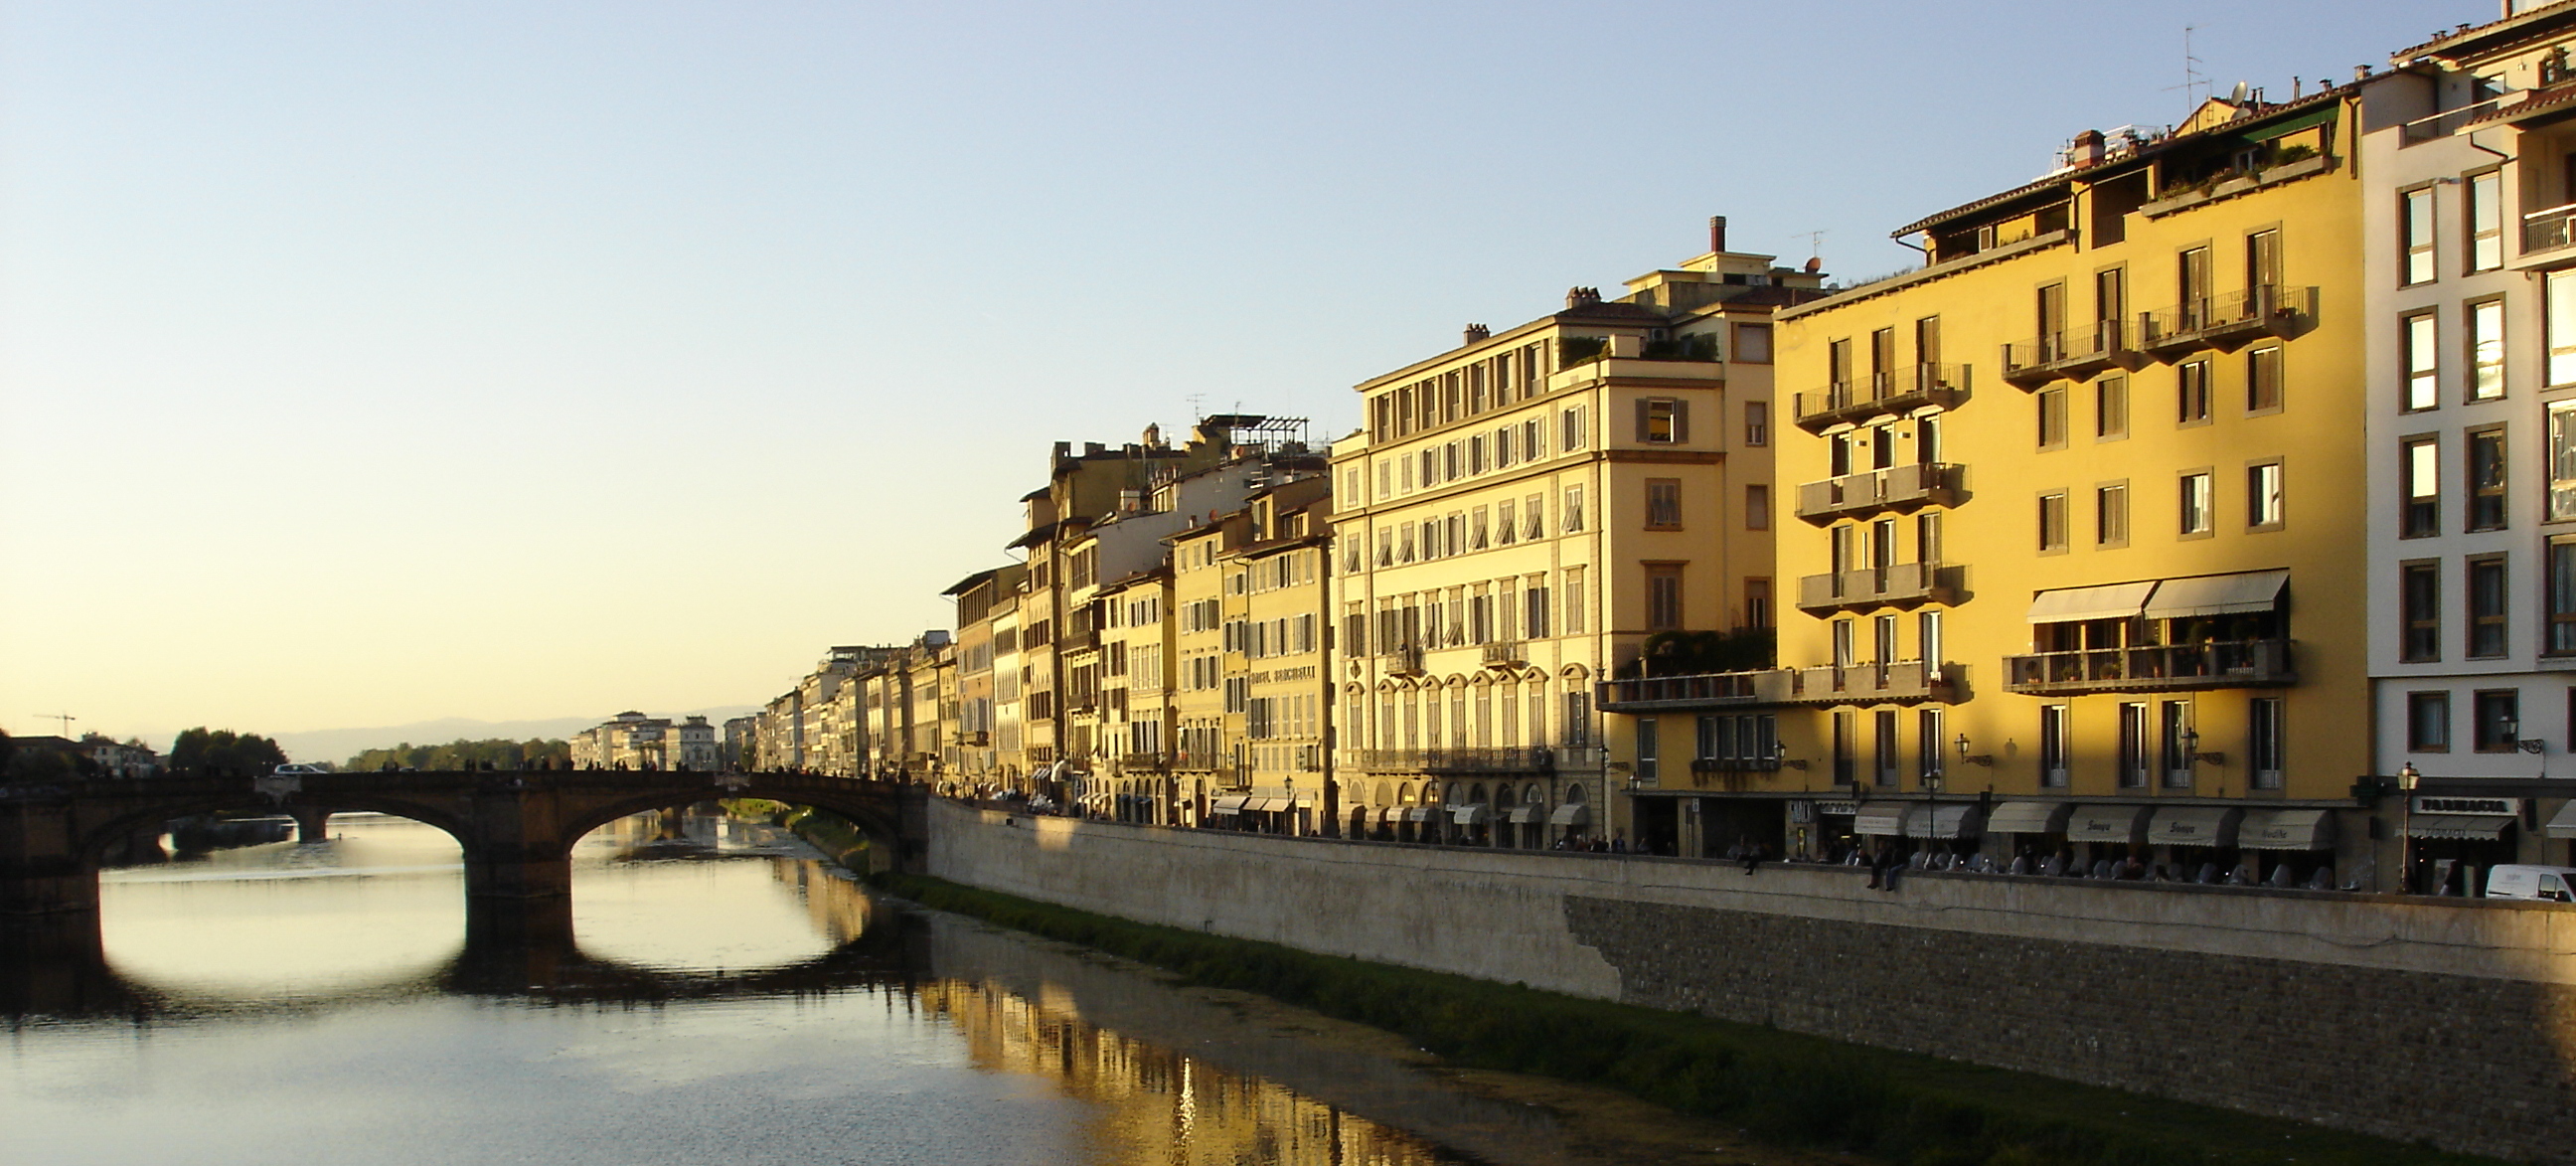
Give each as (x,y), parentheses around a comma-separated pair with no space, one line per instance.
(1752,856)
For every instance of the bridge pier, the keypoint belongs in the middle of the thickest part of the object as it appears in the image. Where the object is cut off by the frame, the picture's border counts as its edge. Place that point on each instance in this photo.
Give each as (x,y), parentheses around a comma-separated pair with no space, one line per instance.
(311,823)
(41,872)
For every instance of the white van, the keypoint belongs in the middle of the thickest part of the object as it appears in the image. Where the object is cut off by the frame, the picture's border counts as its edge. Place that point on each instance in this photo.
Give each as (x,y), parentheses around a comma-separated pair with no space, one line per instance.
(2547,883)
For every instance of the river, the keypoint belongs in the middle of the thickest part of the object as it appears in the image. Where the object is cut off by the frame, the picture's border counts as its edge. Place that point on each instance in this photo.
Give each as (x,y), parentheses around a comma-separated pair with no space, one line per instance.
(720,995)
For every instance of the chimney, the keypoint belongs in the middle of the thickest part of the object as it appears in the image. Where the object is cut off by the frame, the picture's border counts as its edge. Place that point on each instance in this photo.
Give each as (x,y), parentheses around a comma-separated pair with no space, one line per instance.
(1576,297)
(1478,334)
(2086,151)
(1093,449)
(1153,437)
(1717,233)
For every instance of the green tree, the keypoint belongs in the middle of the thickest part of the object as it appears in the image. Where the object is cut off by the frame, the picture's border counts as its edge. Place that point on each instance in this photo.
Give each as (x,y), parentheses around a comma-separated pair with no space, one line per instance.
(460,754)
(224,752)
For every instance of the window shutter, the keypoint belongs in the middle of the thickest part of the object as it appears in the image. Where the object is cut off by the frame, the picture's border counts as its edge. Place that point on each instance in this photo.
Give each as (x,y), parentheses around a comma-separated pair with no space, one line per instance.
(1644,407)
(1681,422)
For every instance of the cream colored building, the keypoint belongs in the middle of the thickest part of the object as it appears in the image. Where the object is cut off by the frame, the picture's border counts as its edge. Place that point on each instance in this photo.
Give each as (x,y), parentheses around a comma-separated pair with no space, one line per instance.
(1520,516)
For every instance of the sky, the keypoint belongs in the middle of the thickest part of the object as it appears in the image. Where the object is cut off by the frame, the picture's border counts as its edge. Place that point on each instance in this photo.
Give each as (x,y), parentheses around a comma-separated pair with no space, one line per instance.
(363,364)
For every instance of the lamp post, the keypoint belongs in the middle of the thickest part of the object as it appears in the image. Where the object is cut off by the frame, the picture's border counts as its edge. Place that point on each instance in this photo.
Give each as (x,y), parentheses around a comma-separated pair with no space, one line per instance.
(2407,778)
(1987,759)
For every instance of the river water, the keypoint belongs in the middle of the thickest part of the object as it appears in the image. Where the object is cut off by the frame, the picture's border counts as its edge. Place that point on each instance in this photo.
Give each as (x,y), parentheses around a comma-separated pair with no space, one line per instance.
(718,994)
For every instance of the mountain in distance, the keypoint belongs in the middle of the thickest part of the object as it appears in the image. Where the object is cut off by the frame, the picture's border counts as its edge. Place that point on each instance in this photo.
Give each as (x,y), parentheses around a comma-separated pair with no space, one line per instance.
(338,745)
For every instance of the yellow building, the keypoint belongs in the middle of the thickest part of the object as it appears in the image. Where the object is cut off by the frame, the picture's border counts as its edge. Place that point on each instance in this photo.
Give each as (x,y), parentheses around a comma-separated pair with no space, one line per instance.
(1519,517)
(1135,697)
(1277,607)
(2076,528)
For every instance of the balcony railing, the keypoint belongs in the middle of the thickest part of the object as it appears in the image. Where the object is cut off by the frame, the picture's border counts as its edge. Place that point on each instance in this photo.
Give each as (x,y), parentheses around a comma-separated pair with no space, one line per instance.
(1895,682)
(2221,321)
(1646,694)
(1933,483)
(1403,659)
(1082,641)
(2549,230)
(2161,668)
(1506,654)
(1902,391)
(1898,584)
(2075,352)
(1516,760)
(1144,763)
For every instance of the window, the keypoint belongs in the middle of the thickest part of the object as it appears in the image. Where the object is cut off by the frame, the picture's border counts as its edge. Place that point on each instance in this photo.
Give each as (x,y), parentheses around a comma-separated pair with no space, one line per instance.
(2562,460)
(1663,597)
(2562,598)
(2428,722)
(2052,418)
(1578,719)
(1574,601)
(2415,224)
(1570,421)
(2486,479)
(1886,747)
(2263,379)
(2560,323)
(2422,337)
(1757,423)
(1663,503)
(1507,523)
(1929,761)
(1846,726)
(2262,260)
(1757,507)
(2173,729)
(2263,740)
(1753,343)
(1572,520)
(1663,421)
(2495,720)
(2133,745)
(2053,742)
(1534,514)
(2420,470)
(1649,744)
(2263,496)
(2195,504)
(2419,596)
(2486,606)
(1927,537)
(2111,515)
(2486,350)
(2052,521)
(1534,614)
(1757,603)
(2486,220)
(1927,637)
(2111,408)
(2191,392)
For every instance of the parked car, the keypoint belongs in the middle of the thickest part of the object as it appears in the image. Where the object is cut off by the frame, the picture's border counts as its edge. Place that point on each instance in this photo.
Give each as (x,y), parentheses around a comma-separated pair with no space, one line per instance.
(297,769)
(2546,883)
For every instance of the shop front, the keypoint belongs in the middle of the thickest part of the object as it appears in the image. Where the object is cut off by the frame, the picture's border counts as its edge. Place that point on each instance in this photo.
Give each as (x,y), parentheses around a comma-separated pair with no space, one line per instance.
(2100,836)
(2195,843)
(1824,830)
(2020,836)
(2290,847)
(2561,833)
(2451,841)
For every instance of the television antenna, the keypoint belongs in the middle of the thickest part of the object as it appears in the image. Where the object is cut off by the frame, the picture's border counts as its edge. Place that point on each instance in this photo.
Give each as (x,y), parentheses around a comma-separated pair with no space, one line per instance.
(1815,242)
(2192,77)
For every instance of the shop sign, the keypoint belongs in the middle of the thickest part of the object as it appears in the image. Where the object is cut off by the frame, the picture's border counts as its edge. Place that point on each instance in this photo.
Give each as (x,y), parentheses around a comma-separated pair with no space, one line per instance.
(2500,807)
(1844,808)
(1802,812)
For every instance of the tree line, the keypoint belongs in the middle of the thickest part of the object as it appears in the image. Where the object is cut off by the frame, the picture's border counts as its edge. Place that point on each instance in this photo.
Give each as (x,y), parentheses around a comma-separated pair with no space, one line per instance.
(461,754)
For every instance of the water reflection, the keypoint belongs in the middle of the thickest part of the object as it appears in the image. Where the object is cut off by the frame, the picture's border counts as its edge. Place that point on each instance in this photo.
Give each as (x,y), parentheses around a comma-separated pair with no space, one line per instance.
(710,981)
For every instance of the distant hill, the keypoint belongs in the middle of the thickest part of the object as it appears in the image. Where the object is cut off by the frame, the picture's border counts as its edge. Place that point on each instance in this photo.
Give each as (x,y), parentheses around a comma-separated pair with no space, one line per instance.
(338,745)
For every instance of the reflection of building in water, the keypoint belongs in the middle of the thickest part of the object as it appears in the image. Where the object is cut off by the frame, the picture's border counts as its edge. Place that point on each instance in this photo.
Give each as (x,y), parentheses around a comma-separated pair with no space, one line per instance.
(1156,1104)
(839,907)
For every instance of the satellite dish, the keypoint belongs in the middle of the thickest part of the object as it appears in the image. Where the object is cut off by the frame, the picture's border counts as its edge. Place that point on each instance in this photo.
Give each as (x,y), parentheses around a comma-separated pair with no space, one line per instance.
(2236,96)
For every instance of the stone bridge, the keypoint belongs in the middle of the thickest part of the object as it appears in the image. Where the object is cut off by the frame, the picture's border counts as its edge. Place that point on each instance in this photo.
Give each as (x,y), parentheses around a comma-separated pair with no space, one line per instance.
(517,828)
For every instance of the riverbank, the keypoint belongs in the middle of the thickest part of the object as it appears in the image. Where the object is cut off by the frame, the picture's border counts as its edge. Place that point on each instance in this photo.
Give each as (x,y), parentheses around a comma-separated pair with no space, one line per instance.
(1782,1087)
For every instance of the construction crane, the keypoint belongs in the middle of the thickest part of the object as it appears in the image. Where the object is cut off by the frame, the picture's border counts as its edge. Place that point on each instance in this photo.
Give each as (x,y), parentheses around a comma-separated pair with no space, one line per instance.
(65,718)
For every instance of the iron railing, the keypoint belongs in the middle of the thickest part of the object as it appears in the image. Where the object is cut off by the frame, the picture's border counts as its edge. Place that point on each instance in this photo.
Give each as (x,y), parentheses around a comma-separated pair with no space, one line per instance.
(2153,668)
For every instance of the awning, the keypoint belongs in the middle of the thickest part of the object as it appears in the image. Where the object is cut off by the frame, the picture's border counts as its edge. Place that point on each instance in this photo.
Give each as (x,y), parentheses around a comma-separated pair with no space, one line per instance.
(2029,818)
(2253,591)
(1420,813)
(1470,815)
(2114,601)
(1228,805)
(1881,818)
(1391,814)
(2105,823)
(1524,815)
(1272,805)
(2471,827)
(2563,823)
(1571,816)
(2195,826)
(2287,830)
(1943,821)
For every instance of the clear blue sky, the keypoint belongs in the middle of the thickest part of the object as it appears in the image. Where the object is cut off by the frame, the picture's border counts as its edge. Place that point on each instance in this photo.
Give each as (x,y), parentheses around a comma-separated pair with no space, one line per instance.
(368,363)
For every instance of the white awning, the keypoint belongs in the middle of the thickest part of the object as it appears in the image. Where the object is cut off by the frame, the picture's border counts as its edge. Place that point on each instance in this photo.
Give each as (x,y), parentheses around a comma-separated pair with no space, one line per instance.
(2563,823)
(2287,830)
(1943,821)
(2195,826)
(2470,827)
(1420,813)
(1881,818)
(2105,823)
(1528,814)
(1391,814)
(1228,804)
(1470,815)
(1571,816)
(2029,818)
(2253,591)
(2114,601)
(1272,805)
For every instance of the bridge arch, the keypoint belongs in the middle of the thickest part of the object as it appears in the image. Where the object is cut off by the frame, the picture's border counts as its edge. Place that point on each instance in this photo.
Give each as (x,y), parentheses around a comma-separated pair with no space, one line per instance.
(91,848)
(880,822)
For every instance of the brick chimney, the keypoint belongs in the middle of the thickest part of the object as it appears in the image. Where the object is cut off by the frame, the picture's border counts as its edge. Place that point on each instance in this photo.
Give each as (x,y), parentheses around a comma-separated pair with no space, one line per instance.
(1717,233)
(1478,334)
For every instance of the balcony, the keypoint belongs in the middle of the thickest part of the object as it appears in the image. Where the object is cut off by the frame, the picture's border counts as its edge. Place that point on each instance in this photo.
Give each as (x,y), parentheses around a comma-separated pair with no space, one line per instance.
(1707,690)
(1904,391)
(1081,641)
(1898,487)
(1896,682)
(2227,321)
(2550,230)
(1506,654)
(1138,763)
(1898,585)
(1517,760)
(2072,354)
(1402,659)
(2164,668)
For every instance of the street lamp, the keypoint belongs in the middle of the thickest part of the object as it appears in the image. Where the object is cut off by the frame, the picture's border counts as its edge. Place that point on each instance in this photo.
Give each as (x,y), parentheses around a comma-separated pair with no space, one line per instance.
(1780,757)
(1986,759)
(2407,779)
(2513,736)
(2191,749)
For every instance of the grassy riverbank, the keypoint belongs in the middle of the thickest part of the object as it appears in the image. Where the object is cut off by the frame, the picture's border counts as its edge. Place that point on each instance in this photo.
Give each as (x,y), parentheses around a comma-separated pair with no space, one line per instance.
(1783,1087)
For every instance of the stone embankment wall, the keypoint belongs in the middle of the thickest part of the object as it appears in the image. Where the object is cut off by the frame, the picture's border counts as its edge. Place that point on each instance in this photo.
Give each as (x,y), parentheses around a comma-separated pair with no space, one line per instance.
(2453,1022)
